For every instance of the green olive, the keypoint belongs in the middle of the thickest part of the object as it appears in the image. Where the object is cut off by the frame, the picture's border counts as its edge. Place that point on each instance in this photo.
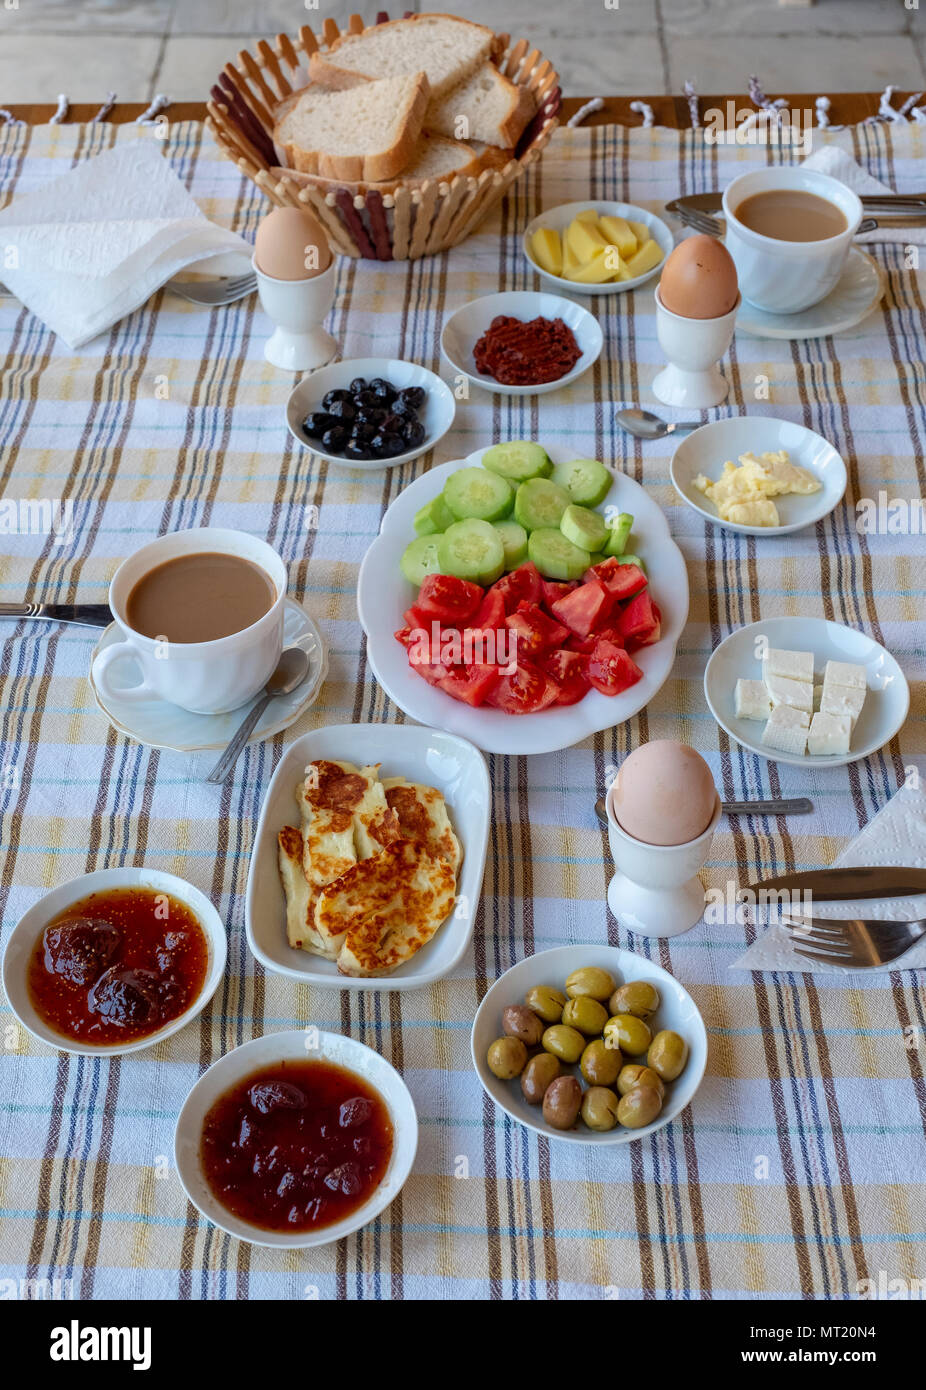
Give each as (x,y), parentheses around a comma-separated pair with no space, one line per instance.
(639,1107)
(600,1064)
(586,1014)
(630,1034)
(519,1022)
(564,1042)
(561,1102)
(668,1054)
(636,1074)
(599,1108)
(546,1002)
(539,1073)
(507,1058)
(591,981)
(639,998)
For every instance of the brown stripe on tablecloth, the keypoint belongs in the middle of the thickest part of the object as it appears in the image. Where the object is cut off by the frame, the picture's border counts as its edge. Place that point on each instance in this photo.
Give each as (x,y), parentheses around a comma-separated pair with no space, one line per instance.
(547,1216)
(644,1236)
(907,1024)
(396,1211)
(912,409)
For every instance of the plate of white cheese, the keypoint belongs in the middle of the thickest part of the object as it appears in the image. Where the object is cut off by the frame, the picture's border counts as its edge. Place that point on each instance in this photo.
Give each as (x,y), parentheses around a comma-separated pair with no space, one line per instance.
(806,691)
(758,475)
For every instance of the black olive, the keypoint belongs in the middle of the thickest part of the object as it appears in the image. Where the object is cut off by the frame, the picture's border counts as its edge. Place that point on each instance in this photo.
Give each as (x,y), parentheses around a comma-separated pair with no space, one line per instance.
(359,383)
(330,397)
(400,407)
(354,450)
(393,444)
(343,410)
(362,434)
(414,433)
(366,400)
(335,438)
(413,396)
(393,423)
(316,423)
(383,389)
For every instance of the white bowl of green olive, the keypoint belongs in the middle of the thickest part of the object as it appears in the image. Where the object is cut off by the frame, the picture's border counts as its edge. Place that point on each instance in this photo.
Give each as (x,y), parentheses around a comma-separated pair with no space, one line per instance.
(590,1044)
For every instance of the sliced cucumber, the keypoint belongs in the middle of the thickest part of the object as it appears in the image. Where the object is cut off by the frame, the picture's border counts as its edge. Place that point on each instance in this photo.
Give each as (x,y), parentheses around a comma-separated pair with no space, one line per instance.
(435,516)
(474,492)
(619,532)
(539,504)
(472,549)
(631,560)
(419,558)
(585,528)
(587,481)
(514,543)
(555,557)
(518,460)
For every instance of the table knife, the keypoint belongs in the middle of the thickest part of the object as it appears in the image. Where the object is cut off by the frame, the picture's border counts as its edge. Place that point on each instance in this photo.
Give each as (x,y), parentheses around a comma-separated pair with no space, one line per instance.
(837,884)
(86,614)
(889,203)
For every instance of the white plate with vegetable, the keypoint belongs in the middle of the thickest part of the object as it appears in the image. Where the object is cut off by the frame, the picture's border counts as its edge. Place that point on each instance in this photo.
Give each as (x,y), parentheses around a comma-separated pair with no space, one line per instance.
(641,239)
(532,510)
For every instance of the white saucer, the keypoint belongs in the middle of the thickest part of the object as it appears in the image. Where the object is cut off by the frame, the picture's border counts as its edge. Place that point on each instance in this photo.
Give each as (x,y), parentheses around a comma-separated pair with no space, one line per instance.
(886,704)
(858,291)
(160,724)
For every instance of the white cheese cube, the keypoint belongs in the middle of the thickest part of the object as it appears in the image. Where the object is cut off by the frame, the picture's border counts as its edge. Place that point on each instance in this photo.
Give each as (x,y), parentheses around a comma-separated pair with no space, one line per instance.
(845,673)
(751,700)
(817,696)
(786,730)
(829,734)
(794,666)
(842,699)
(782,691)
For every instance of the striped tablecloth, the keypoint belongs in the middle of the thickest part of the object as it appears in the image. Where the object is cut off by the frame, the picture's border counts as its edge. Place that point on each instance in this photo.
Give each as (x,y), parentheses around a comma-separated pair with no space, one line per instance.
(800,1168)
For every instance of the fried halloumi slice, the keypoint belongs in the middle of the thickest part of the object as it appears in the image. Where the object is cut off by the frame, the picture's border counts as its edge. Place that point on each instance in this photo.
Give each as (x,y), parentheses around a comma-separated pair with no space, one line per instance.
(327,799)
(375,825)
(300,900)
(422,816)
(386,908)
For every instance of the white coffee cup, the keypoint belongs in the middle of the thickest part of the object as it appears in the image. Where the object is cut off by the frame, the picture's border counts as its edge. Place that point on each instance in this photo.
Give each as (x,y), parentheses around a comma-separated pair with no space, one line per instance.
(783,277)
(203,677)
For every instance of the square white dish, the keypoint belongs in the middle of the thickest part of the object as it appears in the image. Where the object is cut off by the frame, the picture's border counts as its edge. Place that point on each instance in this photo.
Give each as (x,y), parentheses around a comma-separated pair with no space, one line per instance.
(440,760)
(707,449)
(886,704)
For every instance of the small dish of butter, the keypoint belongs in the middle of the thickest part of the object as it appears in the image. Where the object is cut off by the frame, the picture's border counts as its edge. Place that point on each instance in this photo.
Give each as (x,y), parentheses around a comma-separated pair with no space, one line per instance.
(784,476)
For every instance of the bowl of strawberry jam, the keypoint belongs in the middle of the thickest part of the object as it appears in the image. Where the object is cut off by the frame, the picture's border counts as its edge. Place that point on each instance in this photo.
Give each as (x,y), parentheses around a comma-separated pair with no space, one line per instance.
(115,961)
(296,1139)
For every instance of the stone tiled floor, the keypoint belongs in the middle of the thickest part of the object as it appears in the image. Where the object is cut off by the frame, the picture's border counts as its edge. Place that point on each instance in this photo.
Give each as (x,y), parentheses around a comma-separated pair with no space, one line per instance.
(87,48)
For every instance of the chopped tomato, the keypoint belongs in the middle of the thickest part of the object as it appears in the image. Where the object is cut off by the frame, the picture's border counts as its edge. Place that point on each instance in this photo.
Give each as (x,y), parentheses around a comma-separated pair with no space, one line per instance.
(471,684)
(432,671)
(610,669)
(491,612)
(414,617)
(449,600)
(568,670)
(639,621)
(621,581)
(525,692)
(555,588)
(583,645)
(522,583)
(585,609)
(534,632)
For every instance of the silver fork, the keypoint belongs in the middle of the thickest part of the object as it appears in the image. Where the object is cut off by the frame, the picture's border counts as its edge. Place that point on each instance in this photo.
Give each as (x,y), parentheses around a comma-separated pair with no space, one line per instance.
(214,293)
(854,943)
(712,226)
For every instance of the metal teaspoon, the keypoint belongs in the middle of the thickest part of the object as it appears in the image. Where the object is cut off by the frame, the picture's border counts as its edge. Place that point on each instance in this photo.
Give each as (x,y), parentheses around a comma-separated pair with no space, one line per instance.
(645,425)
(291,671)
(795,806)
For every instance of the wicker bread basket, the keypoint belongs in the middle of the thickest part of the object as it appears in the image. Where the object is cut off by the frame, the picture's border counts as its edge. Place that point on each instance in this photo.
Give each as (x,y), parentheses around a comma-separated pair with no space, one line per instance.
(400,225)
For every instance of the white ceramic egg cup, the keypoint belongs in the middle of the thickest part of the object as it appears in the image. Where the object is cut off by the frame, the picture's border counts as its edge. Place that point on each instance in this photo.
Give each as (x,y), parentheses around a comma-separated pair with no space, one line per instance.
(656,890)
(693,348)
(297,308)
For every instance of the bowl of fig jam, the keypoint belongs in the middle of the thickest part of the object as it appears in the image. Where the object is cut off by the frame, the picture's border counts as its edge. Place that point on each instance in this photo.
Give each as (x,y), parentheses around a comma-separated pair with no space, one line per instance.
(296,1139)
(114,961)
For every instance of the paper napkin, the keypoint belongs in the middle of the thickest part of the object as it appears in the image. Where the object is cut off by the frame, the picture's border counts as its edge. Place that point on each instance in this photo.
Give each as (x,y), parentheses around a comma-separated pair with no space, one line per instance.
(839,164)
(896,835)
(89,247)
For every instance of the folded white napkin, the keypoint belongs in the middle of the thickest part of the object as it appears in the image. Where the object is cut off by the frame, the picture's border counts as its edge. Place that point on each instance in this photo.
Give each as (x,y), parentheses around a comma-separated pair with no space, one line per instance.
(896,836)
(839,164)
(86,249)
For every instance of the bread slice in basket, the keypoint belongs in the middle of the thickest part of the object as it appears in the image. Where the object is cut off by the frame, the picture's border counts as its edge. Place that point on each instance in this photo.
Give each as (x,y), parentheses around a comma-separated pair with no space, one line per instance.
(435,157)
(368,133)
(486,106)
(444,47)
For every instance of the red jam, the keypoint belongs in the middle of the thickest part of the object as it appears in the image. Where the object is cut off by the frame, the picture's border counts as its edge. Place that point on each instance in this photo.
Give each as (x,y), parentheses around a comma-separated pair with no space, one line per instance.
(525,354)
(296,1145)
(118,965)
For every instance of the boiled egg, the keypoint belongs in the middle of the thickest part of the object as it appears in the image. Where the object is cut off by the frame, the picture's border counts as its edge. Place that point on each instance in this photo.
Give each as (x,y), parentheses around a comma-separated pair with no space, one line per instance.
(291,245)
(698,280)
(664,793)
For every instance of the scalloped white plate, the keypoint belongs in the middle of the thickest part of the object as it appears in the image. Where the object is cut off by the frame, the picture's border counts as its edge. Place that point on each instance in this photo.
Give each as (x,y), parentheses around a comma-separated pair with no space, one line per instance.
(383,594)
(559,219)
(464,328)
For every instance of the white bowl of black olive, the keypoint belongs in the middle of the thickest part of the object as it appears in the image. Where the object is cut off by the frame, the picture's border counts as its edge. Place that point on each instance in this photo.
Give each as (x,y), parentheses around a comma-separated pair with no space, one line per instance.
(370,412)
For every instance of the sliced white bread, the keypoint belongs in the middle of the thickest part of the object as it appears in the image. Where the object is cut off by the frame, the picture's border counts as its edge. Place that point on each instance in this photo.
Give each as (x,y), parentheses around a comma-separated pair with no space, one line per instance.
(447,49)
(435,157)
(368,133)
(485,106)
